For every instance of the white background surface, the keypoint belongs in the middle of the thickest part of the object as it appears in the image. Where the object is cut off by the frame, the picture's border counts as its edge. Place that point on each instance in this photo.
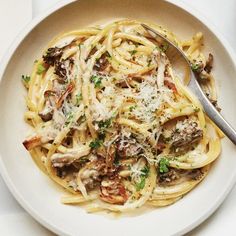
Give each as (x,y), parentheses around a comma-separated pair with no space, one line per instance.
(14,14)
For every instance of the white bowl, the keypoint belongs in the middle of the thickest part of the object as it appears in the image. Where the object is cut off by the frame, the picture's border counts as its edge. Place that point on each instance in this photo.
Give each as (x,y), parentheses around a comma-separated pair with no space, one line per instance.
(37,193)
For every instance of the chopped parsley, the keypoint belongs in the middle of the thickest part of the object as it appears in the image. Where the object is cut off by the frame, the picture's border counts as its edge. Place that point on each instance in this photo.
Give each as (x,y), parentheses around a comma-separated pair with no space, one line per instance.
(78,98)
(69,119)
(131,108)
(96,80)
(25,78)
(143,176)
(96,143)
(40,69)
(196,109)
(104,124)
(133,52)
(141,184)
(163,165)
(149,61)
(195,67)
(145,171)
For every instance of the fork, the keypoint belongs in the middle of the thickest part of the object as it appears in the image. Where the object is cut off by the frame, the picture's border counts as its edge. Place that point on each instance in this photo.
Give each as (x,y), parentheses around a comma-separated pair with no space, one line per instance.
(194,86)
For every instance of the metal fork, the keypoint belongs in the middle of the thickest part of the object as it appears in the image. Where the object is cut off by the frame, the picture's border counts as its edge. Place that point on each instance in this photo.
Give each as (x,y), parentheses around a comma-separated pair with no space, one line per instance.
(194,86)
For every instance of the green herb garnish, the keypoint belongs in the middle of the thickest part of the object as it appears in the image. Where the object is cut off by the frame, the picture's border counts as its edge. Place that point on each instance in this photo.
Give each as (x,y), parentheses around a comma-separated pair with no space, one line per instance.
(25,78)
(145,171)
(133,52)
(195,67)
(132,108)
(96,143)
(163,165)
(96,80)
(78,98)
(149,62)
(141,184)
(196,109)
(104,124)
(69,118)
(40,69)
(143,176)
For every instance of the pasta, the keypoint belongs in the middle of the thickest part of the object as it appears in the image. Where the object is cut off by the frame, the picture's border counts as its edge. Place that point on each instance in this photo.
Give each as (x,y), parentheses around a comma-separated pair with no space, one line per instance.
(113,124)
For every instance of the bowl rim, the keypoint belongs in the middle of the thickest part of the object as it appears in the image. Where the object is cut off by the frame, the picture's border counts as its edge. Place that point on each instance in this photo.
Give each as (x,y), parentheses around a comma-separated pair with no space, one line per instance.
(15,44)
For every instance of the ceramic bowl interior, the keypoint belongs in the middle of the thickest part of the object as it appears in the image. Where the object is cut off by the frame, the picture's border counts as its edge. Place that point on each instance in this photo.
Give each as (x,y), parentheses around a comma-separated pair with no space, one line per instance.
(38,194)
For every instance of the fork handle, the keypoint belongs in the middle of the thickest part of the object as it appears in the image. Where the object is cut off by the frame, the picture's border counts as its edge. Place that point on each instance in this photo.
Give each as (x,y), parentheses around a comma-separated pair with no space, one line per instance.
(211,111)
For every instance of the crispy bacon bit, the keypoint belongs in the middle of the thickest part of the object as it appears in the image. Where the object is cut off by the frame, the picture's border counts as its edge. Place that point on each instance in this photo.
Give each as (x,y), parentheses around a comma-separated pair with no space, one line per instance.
(113,191)
(52,56)
(64,95)
(32,143)
(170,85)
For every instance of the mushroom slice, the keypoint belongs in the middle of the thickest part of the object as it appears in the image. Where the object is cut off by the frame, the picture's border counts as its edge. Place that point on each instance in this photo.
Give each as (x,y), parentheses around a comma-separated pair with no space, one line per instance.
(65,159)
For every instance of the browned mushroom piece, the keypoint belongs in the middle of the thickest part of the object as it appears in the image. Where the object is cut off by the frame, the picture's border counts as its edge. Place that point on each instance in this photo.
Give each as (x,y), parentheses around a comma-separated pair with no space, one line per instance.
(62,69)
(128,148)
(171,175)
(102,63)
(53,55)
(64,95)
(33,142)
(47,113)
(175,176)
(93,173)
(183,139)
(92,52)
(113,191)
(214,102)
(209,64)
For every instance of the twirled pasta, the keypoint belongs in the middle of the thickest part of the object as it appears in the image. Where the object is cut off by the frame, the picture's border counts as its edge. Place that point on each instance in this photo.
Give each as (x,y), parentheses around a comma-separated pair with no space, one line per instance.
(113,125)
